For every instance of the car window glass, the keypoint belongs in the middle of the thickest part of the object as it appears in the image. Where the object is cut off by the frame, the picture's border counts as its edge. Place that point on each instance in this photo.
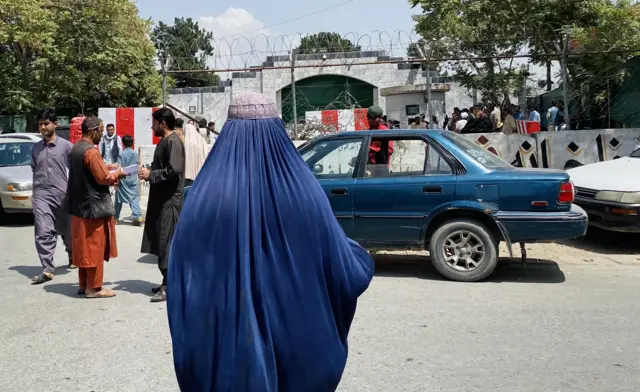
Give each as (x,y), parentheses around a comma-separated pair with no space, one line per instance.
(436,164)
(15,154)
(333,158)
(484,157)
(396,158)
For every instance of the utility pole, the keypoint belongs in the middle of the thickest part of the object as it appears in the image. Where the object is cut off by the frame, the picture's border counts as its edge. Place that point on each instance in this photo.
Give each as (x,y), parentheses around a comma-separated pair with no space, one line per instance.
(164,82)
(565,79)
(293,94)
(426,58)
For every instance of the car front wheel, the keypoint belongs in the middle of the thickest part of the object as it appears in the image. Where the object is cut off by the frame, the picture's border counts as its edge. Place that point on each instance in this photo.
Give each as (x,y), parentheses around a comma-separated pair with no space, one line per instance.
(464,250)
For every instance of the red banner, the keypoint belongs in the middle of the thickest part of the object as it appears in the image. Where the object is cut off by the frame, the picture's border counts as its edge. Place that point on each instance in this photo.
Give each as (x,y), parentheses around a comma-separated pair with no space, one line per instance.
(156,139)
(330,117)
(361,122)
(125,124)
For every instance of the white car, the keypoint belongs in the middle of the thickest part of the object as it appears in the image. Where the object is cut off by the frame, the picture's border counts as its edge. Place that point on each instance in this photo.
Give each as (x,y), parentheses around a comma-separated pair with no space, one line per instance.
(36,137)
(16,177)
(610,193)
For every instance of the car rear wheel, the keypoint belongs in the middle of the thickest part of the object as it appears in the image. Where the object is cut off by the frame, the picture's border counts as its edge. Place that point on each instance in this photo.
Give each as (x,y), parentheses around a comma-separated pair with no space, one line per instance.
(464,250)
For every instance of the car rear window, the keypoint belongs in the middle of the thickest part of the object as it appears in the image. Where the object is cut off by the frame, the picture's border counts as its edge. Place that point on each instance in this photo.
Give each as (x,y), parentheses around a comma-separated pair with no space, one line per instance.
(484,157)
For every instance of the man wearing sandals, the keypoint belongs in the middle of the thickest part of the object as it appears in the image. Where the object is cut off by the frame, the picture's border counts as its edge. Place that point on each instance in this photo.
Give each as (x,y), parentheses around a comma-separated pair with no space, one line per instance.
(92,213)
(49,163)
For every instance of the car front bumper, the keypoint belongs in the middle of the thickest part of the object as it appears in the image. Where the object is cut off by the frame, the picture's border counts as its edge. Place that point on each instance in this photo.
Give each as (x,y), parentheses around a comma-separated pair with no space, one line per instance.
(543,226)
(611,216)
(17,202)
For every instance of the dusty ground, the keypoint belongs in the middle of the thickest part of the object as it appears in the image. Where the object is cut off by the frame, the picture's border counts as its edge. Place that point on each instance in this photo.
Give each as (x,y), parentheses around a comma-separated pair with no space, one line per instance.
(568,321)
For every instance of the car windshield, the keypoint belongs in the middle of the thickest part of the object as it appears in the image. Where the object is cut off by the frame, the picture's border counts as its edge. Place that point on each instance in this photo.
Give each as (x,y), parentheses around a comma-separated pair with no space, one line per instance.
(635,154)
(484,157)
(15,153)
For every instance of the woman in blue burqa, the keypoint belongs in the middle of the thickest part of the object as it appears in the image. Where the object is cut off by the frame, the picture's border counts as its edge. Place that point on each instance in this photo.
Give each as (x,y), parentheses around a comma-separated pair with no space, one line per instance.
(263,283)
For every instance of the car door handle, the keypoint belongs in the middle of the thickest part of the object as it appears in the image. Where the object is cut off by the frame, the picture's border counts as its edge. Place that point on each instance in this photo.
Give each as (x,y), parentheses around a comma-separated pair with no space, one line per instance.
(339,192)
(431,190)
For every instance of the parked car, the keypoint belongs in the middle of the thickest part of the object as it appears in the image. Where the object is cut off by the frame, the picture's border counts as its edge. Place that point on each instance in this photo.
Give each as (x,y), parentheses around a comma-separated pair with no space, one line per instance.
(23,136)
(610,193)
(438,191)
(16,178)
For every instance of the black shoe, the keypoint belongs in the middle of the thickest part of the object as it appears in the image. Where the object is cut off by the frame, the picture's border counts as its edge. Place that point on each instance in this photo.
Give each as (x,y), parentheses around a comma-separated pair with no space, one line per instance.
(161,296)
(156,290)
(42,278)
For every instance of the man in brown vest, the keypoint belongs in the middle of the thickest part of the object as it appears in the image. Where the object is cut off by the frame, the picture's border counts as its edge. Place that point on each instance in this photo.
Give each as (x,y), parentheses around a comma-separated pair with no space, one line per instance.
(89,203)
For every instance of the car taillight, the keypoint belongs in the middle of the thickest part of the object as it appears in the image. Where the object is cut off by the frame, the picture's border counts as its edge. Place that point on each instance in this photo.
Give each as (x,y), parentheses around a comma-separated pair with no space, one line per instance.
(566,193)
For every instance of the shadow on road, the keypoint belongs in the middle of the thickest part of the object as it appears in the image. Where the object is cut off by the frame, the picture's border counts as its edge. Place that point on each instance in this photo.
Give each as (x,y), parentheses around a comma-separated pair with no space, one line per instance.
(67,289)
(606,242)
(134,287)
(30,271)
(508,270)
(148,259)
(16,220)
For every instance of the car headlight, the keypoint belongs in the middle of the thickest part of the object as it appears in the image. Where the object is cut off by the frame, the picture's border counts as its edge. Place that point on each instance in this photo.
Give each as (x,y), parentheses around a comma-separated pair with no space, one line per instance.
(619,197)
(630,198)
(20,187)
(608,196)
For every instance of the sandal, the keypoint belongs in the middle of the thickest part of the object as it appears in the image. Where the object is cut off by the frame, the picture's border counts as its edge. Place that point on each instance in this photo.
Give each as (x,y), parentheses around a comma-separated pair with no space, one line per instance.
(82,291)
(42,278)
(101,294)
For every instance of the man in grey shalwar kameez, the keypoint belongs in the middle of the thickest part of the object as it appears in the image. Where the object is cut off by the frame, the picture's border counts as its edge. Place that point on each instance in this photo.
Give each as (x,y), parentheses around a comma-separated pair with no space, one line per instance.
(50,163)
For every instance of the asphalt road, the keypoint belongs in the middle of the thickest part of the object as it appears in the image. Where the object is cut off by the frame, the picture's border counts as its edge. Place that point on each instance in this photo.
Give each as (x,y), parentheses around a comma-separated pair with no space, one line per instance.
(553,325)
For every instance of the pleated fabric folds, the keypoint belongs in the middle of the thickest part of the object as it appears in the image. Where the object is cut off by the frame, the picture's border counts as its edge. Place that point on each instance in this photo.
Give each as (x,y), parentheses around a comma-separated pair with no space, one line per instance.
(263,283)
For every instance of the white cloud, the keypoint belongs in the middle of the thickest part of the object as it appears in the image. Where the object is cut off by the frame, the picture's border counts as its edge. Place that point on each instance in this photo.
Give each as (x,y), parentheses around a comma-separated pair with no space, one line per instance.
(241,40)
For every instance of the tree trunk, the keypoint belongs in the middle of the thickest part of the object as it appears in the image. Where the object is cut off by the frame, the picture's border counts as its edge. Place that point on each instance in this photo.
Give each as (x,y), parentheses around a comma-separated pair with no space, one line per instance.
(549,76)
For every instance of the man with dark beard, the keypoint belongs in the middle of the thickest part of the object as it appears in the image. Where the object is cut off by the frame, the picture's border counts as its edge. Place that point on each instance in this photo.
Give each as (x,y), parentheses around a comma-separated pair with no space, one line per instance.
(166,193)
(49,163)
(91,208)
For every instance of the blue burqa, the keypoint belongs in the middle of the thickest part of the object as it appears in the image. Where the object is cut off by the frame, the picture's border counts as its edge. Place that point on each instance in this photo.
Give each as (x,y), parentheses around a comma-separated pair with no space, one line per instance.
(263,283)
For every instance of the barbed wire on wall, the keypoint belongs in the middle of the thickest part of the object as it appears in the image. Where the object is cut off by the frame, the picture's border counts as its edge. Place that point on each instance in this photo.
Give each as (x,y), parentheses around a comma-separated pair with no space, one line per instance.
(235,56)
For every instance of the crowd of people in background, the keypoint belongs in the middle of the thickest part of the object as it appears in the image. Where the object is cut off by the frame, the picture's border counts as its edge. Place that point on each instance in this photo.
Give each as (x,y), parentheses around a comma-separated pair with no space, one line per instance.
(480,119)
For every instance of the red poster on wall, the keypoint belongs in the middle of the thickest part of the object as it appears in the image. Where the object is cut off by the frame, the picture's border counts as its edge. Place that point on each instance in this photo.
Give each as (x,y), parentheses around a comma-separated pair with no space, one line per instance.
(330,117)
(361,123)
(125,124)
(156,139)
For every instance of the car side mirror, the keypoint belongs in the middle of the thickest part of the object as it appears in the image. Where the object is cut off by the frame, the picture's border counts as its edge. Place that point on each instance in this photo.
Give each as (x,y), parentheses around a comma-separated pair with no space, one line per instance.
(317,169)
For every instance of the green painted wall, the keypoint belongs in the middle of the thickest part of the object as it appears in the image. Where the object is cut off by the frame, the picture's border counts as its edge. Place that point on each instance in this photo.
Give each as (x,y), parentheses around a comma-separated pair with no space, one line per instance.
(325,92)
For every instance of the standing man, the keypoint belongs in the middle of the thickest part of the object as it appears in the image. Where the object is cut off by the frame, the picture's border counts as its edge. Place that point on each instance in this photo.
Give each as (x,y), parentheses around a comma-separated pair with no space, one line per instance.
(533,114)
(91,208)
(166,192)
(377,154)
(203,130)
(110,146)
(49,163)
(211,133)
(480,123)
(128,191)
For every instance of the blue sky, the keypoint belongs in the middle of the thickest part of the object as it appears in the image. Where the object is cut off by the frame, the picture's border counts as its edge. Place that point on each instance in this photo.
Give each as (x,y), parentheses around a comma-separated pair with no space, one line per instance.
(245,26)
(360,16)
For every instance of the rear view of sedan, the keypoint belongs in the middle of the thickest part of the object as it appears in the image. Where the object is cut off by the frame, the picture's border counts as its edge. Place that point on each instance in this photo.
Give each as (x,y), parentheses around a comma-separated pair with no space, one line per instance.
(16,178)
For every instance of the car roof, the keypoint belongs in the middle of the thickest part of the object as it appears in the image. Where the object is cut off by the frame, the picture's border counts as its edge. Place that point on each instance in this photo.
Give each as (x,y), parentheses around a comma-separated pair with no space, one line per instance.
(389,132)
(5,139)
(21,135)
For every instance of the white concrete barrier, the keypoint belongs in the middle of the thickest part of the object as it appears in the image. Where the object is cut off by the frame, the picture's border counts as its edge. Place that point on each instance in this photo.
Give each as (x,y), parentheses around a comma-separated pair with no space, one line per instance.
(554,150)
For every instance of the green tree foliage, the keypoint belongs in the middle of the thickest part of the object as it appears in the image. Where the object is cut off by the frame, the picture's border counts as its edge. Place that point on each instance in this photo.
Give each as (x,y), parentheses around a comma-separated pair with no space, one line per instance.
(75,54)
(325,42)
(485,31)
(594,79)
(478,34)
(187,46)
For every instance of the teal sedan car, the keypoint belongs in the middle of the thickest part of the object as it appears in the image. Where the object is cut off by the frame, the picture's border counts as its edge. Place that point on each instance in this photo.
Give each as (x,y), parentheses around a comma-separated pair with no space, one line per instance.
(436,190)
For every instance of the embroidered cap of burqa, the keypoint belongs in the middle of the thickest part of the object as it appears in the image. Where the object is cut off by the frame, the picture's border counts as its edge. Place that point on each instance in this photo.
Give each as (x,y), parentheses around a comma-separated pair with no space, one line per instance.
(263,283)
